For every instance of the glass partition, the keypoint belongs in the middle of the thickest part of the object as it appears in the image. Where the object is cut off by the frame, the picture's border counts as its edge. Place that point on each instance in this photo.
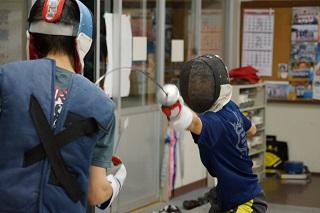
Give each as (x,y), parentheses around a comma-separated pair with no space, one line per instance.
(13,18)
(179,37)
(90,59)
(193,28)
(143,23)
(212,27)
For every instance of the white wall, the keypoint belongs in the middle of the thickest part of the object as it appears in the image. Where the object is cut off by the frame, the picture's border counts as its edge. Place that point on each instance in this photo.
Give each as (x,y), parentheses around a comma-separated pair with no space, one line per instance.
(299,125)
(192,166)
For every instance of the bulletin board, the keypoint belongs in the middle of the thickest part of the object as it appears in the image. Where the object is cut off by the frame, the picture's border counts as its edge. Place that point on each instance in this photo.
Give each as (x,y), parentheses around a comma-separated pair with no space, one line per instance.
(282,12)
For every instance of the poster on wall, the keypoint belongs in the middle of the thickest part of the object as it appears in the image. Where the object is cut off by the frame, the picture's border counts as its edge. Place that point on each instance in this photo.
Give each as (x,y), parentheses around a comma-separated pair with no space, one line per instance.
(283,71)
(304,51)
(304,24)
(304,57)
(277,89)
(316,79)
(257,40)
(316,82)
(11,31)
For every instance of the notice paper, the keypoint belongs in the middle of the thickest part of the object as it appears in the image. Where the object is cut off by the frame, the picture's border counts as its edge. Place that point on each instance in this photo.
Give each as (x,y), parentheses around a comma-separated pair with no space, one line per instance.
(139,49)
(177,50)
(126,56)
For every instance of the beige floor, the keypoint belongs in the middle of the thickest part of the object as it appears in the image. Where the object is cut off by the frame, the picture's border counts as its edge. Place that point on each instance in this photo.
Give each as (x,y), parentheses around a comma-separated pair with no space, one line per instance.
(273,208)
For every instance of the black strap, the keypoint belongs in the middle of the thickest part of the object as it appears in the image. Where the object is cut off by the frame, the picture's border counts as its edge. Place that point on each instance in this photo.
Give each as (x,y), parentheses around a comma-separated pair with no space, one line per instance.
(72,132)
(51,150)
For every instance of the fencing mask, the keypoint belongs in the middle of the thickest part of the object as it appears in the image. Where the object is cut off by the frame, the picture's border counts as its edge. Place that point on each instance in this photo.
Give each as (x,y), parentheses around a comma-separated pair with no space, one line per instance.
(204,83)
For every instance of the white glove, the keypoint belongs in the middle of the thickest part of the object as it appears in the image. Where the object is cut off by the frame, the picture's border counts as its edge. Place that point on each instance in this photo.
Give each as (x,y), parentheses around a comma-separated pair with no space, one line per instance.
(178,114)
(116,182)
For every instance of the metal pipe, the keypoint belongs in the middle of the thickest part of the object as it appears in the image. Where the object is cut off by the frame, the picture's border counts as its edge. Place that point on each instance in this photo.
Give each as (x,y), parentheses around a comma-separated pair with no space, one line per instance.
(197,24)
(97,7)
(116,53)
(160,54)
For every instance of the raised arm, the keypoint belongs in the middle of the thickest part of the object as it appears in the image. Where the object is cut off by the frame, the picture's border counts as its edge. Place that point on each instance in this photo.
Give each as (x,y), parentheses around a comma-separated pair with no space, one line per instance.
(196,124)
(179,115)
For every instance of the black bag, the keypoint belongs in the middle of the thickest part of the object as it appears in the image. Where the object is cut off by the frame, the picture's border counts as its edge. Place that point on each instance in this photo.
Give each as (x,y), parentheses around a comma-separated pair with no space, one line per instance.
(276,154)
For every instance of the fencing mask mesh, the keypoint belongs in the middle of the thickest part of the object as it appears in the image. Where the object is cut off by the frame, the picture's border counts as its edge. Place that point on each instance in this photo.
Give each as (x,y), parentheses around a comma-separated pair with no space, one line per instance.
(200,81)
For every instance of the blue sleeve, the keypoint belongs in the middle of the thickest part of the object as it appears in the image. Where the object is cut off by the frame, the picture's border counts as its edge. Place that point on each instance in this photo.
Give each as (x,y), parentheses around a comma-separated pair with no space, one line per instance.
(211,130)
(103,150)
(246,122)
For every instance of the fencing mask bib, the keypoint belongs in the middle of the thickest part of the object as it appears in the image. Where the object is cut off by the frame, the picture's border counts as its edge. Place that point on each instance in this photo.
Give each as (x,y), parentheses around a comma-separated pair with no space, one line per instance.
(204,84)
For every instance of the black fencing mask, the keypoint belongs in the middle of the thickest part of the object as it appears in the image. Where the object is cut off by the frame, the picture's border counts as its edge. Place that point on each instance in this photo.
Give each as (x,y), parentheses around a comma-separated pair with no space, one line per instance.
(200,81)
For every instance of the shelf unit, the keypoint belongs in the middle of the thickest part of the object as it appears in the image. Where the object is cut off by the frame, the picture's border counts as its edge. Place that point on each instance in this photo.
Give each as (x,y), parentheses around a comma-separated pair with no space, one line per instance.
(251,108)
(251,100)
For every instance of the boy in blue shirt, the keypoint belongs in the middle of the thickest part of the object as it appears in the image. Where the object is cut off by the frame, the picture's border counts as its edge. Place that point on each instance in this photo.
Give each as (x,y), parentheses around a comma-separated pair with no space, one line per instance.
(220,132)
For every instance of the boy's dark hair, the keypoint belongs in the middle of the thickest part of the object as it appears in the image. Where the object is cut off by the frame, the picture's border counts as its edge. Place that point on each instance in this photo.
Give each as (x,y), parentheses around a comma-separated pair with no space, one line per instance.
(55,43)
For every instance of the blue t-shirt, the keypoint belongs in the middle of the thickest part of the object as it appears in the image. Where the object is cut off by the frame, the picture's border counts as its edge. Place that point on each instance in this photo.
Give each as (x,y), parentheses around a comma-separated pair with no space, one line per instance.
(224,152)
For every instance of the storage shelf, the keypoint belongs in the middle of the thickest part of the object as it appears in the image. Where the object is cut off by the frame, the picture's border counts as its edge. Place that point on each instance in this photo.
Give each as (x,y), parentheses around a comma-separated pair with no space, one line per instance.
(257,95)
(252,108)
(248,86)
(257,151)
(260,173)
(260,129)
(298,101)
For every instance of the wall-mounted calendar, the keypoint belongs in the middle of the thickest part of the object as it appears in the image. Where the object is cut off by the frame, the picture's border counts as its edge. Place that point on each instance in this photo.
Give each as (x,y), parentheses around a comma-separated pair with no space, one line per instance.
(257,40)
